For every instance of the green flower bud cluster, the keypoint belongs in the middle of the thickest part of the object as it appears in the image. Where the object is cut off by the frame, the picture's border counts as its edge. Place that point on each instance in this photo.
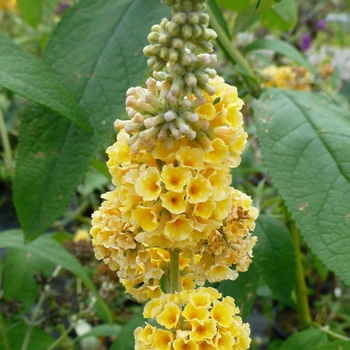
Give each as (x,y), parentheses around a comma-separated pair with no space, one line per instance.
(169,49)
(180,57)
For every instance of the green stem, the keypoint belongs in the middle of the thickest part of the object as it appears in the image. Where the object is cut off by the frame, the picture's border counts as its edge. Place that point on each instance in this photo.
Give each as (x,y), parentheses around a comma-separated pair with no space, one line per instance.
(4,333)
(62,337)
(174,271)
(8,159)
(303,308)
(234,55)
(331,333)
(33,320)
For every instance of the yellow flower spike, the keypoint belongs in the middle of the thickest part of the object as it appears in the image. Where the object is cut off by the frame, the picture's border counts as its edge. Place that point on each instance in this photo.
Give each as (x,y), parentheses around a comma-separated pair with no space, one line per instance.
(182,344)
(145,335)
(203,330)
(198,313)
(178,229)
(148,184)
(169,317)
(175,178)
(174,202)
(162,340)
(219,273)
(199,189)
(224,341)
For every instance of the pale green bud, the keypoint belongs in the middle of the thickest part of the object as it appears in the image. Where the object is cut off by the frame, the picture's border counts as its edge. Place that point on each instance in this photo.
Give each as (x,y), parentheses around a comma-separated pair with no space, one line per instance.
(205,46)
(204,18)
(187,6)
(181,125)
(169,116)
(155,28)
(197,31)
(164,53)
(175,131)
(153,37)
(177,44)
(192,18)
(190,79)
(173,29)
(184,58)
(151,50)
(165,40)
(179,18)
(198,7)
(173,55)
(211,34)
(211,72)
(186,31)
(202,77)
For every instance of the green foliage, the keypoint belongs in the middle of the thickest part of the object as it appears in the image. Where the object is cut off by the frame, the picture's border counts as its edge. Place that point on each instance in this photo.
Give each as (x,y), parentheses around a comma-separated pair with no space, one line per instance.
(31,11)
(23,74)
(305,147)
(274,257)
(96,53)
(243,290)
(309,339)
(48,249)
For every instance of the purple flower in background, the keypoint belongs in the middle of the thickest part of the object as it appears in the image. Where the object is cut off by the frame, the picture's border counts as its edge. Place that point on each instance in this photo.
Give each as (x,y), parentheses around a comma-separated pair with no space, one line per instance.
(305,42)
(62,7)
(321,24)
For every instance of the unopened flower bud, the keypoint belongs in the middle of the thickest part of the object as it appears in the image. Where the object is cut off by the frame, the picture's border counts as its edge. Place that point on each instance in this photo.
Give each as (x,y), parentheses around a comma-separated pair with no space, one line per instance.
(154,121)
(177,44)
(132,127)
(187,6)
(175,131)
(164,53)
(204,18)
(186,31)
(120,124)
(202,77)
(192,18)
(138,118)
(205,46)
(163,133)
(165,40)
(180,18)
(153,37)
(170,116)
(184,58)
(190,79)
(197,31)
(209,89)
(181,125)
(198,7)
(173,29)
(155,28)
(211,34)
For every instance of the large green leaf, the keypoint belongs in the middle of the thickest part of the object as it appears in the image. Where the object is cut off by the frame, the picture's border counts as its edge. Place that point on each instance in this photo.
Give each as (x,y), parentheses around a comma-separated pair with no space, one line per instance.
(282,16)
(26,76)
(274,257)
(39,339)
(47,248)
(336,345)
(96,52)
(282,48)
(126,340)
(20,270)
(243,290)
(305,145)
(309,339)
(31,11)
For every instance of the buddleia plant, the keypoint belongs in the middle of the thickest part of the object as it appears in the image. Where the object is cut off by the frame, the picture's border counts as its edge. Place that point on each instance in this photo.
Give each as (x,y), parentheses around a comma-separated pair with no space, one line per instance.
(173,220)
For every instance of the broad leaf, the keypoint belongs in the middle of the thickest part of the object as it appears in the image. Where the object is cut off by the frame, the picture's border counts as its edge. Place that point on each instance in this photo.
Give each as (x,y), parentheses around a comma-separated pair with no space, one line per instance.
(309,339)
(282,16)
(39,339)
(274,257)
(126,340)
(336,345)
(23,74)
(31,11)
(305,145)
(96,52)
(47,248)
(282,48)
(19,276)
(243,290)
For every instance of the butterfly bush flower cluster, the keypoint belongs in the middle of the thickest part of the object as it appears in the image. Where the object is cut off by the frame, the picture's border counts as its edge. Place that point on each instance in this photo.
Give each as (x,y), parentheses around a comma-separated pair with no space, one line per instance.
(173,221)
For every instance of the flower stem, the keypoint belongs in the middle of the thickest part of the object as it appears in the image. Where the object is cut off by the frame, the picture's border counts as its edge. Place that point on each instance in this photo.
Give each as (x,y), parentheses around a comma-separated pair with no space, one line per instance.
(8,159)
(174,271)
(303,308)
(4,334)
